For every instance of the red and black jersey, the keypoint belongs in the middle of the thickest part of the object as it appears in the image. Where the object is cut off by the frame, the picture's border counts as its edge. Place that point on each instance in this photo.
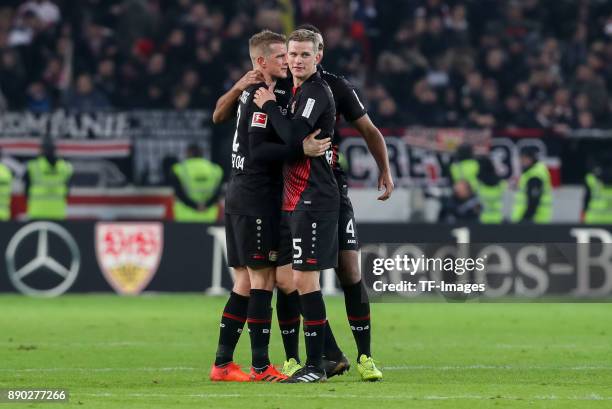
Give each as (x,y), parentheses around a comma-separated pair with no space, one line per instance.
(309,183)
(348,105)
(255,185)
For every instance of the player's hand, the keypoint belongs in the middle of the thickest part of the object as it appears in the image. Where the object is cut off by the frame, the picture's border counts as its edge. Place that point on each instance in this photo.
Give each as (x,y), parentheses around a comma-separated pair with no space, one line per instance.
(263,95)
(315,147)
(385,180)
(250,78)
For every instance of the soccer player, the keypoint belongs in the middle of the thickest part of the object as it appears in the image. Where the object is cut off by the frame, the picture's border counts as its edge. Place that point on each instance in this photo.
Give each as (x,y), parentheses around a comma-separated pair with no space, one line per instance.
(288,299)
(350,107)
(310,195)
(252,208)
(357,305)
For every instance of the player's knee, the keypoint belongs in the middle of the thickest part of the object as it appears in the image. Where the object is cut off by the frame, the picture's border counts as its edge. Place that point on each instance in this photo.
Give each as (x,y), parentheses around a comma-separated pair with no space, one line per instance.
(262,279)
(242,284)
(306,281)
(348,276)
(348,271)
(286,286)
(284,279)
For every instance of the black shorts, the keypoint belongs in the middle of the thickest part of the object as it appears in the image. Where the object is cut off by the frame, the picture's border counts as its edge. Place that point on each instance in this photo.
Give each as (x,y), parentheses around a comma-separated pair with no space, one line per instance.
(309,240)
(347,228)
(251,241)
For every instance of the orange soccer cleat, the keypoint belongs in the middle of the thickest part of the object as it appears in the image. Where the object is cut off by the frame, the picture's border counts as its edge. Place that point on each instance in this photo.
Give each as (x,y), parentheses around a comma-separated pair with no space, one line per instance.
(271,374)
(230,372)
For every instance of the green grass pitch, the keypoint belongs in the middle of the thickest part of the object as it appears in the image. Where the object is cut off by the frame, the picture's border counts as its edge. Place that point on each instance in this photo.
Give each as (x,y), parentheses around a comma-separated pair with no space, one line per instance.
(155,352)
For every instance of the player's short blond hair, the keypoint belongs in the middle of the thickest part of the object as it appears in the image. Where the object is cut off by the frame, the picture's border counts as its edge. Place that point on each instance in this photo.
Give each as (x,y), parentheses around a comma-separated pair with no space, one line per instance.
(315,30)
(259,44)
(306,36)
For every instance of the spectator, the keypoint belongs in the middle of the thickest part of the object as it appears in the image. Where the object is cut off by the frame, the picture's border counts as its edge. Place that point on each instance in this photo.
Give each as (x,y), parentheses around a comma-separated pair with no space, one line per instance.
(434,41)
(12,80)
(85,98)
(181,100)
(484,66)
(38,99)
(46,11)
(106,80)
(463,206)
(458,27)
(593,86)
(387,115)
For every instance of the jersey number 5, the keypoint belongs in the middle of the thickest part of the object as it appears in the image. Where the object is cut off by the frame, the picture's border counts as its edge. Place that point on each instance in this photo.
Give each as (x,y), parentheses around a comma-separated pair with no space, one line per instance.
(297,248)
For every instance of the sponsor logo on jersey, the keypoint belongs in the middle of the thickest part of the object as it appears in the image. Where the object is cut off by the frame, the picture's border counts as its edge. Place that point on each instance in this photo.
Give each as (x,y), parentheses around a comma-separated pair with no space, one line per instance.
(129,254)
(280,91)
(311,261)
(308,108)
(259,119)
(258,256)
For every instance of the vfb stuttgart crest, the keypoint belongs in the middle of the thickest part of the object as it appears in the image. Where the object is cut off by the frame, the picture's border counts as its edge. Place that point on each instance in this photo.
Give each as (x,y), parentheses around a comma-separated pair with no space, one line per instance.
(129,254)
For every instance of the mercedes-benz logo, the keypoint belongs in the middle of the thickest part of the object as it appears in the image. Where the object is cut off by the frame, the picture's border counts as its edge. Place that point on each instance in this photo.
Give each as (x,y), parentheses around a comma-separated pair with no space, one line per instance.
(42,259)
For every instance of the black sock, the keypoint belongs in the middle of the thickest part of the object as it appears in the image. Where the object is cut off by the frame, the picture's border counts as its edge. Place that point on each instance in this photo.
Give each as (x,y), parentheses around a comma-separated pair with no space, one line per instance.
(288,313)
(358,312)
(232,322)
(259,319)
(332,350)
(313,309)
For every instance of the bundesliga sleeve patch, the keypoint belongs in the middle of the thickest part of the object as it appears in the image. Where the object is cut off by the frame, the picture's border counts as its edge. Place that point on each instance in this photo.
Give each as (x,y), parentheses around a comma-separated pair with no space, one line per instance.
(259,119)
(308,108)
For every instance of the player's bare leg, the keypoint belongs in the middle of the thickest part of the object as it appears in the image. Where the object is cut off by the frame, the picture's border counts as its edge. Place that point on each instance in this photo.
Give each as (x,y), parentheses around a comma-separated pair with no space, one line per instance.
(232,323)
(358,311)
(259,319)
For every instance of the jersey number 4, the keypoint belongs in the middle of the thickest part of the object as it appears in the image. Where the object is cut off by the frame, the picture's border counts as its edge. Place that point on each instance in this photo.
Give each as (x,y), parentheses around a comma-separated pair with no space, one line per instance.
(350,228)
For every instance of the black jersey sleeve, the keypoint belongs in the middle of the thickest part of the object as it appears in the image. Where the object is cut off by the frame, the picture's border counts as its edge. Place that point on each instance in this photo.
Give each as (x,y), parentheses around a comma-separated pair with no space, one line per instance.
(260,146)
(264,150)
(289,130)
(348,103)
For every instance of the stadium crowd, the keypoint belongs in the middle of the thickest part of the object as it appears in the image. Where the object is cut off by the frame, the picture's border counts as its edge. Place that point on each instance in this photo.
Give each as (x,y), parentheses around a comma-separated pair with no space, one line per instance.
(478,63)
